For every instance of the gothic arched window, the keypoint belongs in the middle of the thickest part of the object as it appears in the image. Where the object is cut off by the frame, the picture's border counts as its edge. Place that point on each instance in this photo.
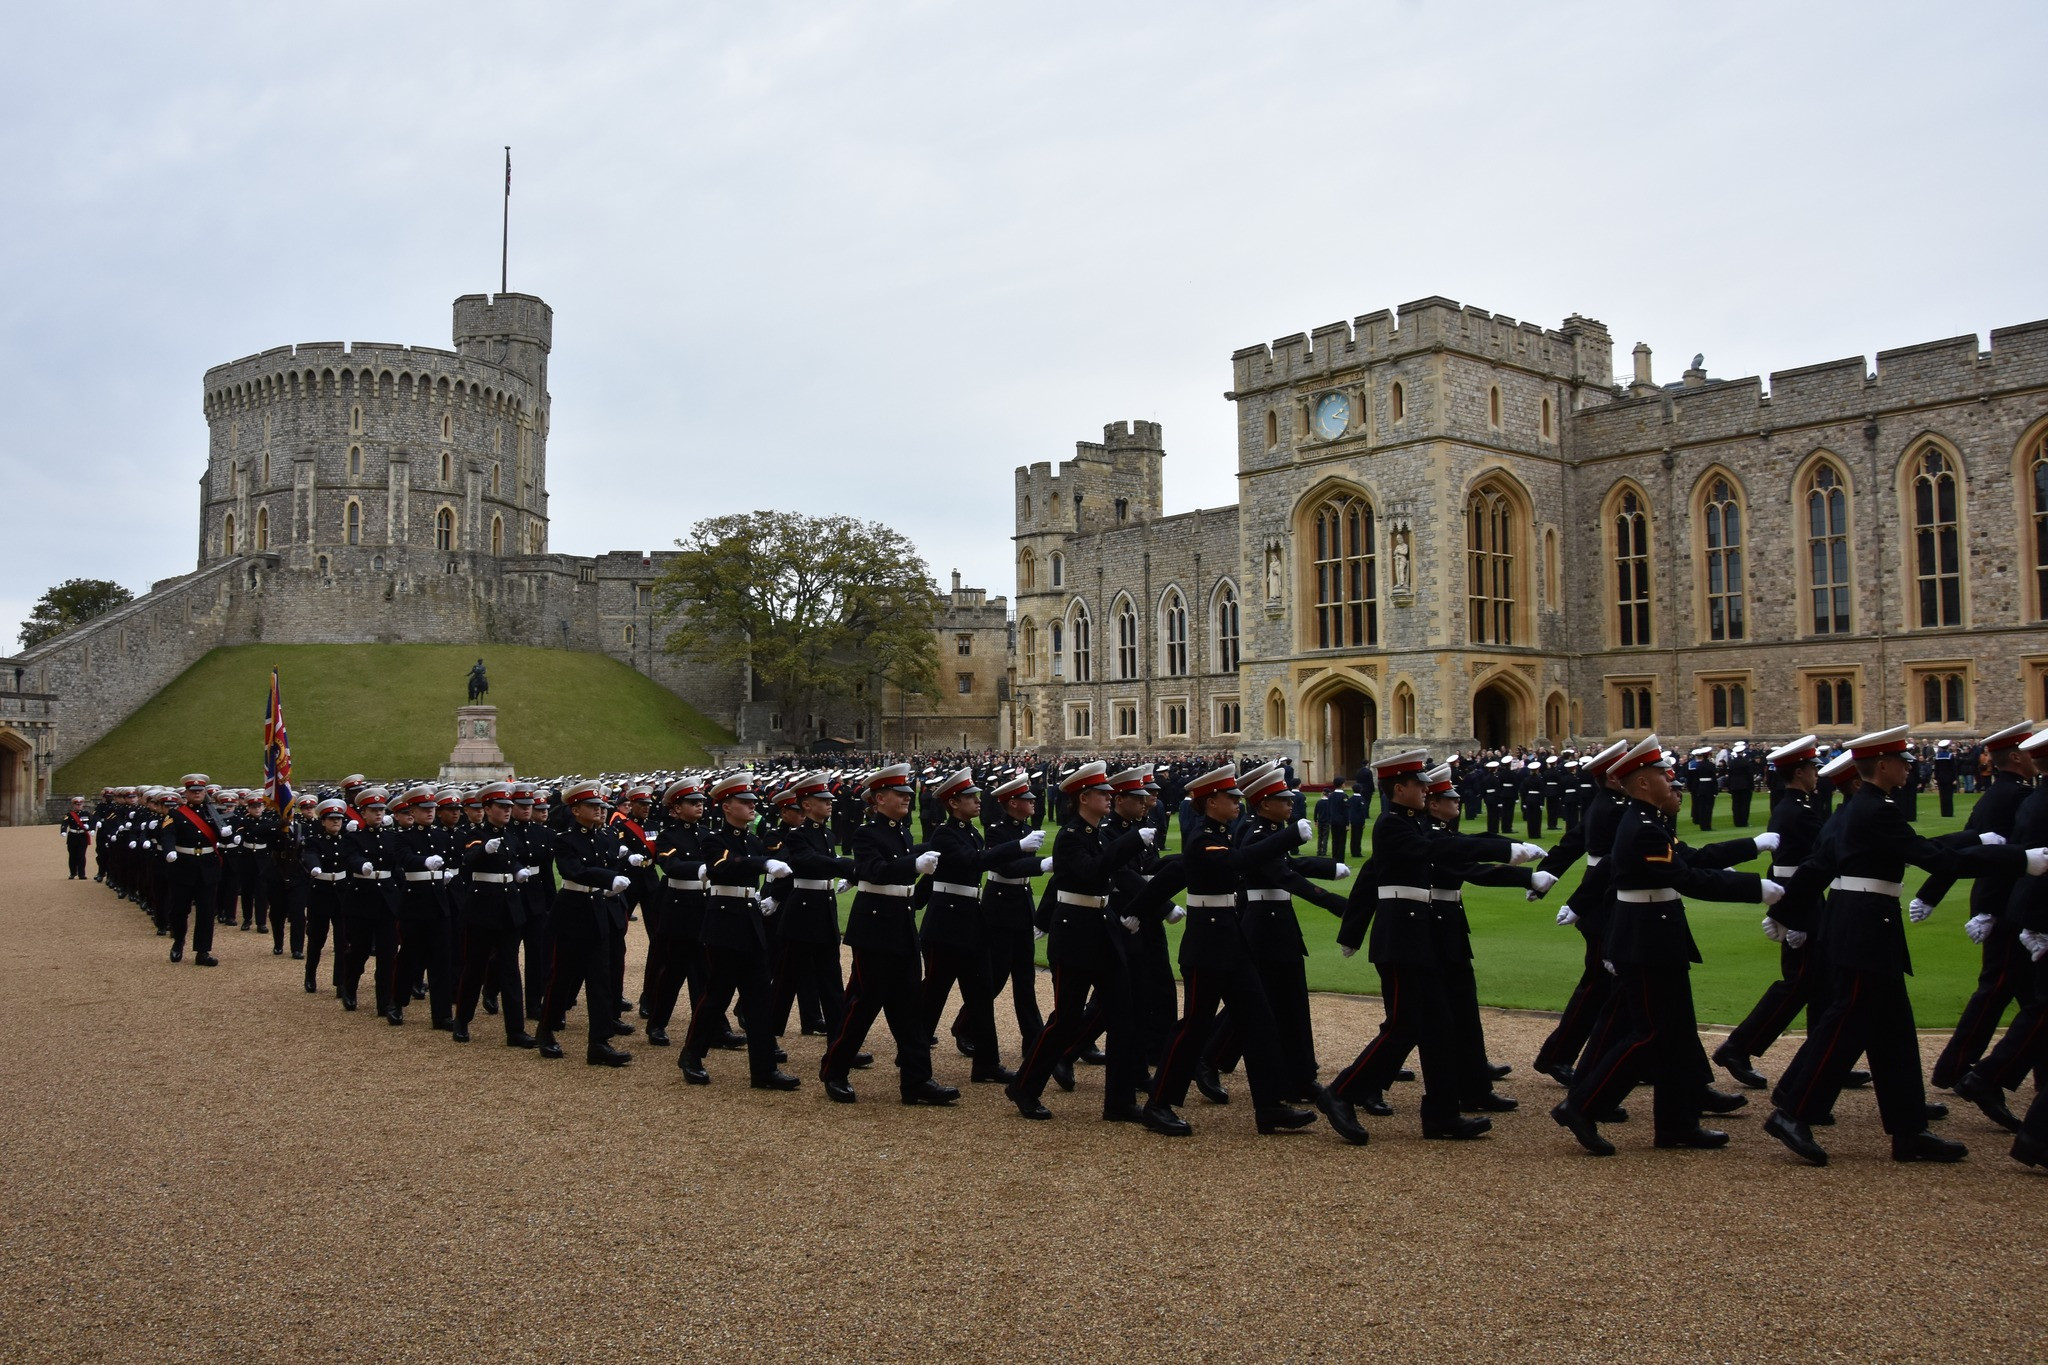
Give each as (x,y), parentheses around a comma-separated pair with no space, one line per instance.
(1173,621)
(1347,584)
(1632,568)
(1226,629)
(1721,521)
(1126,639)
(1827,549)
(1490,566)
(1937,540)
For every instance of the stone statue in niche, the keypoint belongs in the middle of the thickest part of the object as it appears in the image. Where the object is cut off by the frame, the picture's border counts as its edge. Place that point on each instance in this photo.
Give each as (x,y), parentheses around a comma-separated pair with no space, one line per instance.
(1273,573)
(1401,553)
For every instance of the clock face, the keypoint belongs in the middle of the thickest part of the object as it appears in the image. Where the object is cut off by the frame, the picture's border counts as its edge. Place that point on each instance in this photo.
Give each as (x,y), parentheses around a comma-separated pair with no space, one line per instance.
(1333,414)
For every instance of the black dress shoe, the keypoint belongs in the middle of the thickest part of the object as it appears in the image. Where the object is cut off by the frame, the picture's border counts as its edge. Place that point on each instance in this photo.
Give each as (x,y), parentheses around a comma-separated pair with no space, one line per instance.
(521,1040)
(1406,1073)
(625,1006)
(348,1002)
(1935,1110)
(930,1092)
(1738,1067)
(604,1054)
(1375,1103)
(775,1080)
(276,951)
(1796,1136)
(1342,1117)
(1568,1116)
(1721,1101)
(1563,1074)
(622,1029)
(1063,1076)
(657,1037)
(459,1032)
(965,1045)
(862,1061)
(1161,1119)
(1696,1137)
(1210,1085)
(1282,1118)
(2030,1151)
(419,992)
(298,955)
(490,1007)
(1459,1129)
(177,952)
(205,960)
(394,1018)
(839,1092)
(1925,1146)
(730,1041)
(1499,1070)
(551,1049)
(1026,1105)
(1491,1103)
(1988,1096)
(1000,1075)
(1856,1080)
(1092,1056)
(692,1067)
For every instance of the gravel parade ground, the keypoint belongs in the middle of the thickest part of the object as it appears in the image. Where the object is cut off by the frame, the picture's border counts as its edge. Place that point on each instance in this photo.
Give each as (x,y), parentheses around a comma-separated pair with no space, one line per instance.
(214,1165)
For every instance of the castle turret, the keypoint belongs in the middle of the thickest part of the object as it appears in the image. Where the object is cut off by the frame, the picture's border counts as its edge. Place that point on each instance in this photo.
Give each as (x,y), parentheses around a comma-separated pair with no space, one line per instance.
(513,331)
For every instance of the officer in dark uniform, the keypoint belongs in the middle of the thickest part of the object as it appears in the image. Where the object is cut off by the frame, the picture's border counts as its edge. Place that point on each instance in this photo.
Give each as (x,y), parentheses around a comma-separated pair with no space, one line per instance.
(189,842)
(370,853)
(1332,816)
(2022,1049)
(735,939)
(1945,778)
(425,858)
(881,929)
(679,953)
(1529,789)
(77,838)
(1006,905)
(1704,781)
(490,906)
(1863,938)
(807,910)
(1741,781)
(588,917)
(1587,909)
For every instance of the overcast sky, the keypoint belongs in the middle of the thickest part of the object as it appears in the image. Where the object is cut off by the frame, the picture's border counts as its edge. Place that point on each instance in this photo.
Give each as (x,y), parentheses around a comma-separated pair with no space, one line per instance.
(870,258)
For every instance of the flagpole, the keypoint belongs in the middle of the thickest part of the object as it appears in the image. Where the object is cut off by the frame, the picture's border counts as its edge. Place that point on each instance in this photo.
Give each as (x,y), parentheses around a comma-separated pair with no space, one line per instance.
(505,243)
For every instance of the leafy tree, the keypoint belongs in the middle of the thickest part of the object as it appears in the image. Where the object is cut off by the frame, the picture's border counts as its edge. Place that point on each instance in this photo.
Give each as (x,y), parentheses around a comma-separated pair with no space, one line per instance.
(821,608)
(72,602)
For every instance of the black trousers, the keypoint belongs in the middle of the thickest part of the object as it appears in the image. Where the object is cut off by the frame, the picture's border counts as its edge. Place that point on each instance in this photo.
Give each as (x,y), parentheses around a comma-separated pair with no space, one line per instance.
(1738,805)
(1468,1035)
(2025,1043)
(372,932)
(947,963)
(1798,975)
(807,979)
(188,901)
(730,971)
(1013,961)
(287,905)
(677,960)
(74,854)
(1155,995)
(2005,968)
(1703,810)
(1589,998)
(1658,1040)
(1286,991)
(425,951)
(1867,1013)
(1357,839)
(581,957)
(323,916)
(1948,799)
(1242,988)
(1418,1019)
(537,937)
(1069,1025)
(883,985)
(490,950)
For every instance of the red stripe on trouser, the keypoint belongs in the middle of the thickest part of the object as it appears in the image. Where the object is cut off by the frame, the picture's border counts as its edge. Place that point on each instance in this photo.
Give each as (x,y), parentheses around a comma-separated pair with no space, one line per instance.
(1180,1035)
(825,1068)
(1595,1096)
(1031,1062)
(2023,1053)
(1855,989)
(1392,987)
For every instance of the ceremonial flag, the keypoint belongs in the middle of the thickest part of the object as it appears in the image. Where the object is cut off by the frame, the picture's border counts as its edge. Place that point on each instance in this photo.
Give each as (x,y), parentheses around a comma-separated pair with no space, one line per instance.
(277,753)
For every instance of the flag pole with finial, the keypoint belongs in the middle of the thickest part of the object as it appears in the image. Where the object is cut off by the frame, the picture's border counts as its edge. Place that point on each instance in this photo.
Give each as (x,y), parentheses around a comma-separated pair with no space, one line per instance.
(505,243)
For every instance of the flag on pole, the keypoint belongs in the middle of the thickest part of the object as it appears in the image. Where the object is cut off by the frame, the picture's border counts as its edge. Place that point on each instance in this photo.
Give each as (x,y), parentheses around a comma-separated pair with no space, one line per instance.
(277,753)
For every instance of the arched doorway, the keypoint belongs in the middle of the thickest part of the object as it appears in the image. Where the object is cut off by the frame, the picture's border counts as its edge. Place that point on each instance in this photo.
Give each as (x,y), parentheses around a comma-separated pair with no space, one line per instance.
(17,757)
(1494,717)
(1553,718)
(1350,725)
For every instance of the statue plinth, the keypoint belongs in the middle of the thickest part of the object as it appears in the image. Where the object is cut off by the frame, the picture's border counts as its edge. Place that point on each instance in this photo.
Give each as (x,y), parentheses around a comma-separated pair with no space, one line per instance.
(477,757)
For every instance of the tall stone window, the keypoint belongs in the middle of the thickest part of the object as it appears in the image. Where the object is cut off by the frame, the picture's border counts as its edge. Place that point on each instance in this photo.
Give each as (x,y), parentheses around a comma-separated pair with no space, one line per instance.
(1944,697)
(1077,630)
(263,528)
(1404,710)
(1397,403)
(1226,629)
(1827,549)
(1126,639)
(355,460)
(1059,569)
(1027,634)
(444,529)
(447,467)
(1059,656)
(1173,620)
(1721,526)
(227,534)
(497,535)
(352,523)
(1632,568)
(1346,574)
(1027,570)
(1937,540)
(2037,509)
(1490,566)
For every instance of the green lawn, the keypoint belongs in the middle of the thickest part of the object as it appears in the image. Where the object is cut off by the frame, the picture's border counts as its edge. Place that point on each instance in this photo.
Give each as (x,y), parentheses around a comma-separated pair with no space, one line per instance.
(389,710)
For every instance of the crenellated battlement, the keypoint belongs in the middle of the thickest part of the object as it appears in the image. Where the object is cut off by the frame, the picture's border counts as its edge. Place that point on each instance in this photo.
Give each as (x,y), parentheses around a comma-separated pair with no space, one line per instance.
(1116,481)
(316,370)
(1579,350)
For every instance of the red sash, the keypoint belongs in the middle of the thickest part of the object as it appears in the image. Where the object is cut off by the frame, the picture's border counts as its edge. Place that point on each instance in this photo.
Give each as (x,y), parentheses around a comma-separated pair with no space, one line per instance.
(199,822)
(638,833)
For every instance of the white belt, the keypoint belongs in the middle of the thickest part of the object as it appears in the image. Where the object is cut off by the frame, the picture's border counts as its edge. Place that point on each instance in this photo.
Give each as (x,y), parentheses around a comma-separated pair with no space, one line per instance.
(680,884)
(743,893)
(257,848)
(1791,871)
(378,876)
(330,876)
(1211,902)
(884,889)
(1009,881)
(193,852)
(1869,884)
(1267,893)
(580,888)
(1403,893)
(428,876)
(972,893)
(1592,861)
(1439,893)
(812,883)
(491,878)
(1076,898)
(1650,897)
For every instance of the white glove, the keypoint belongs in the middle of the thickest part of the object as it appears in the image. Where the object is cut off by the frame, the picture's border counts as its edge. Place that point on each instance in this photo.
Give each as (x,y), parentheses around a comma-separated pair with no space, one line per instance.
(620,884)
(703,871)
(1795,938)
(1773,930)
(1031,842)
(1773,892)
(926,861)
(318,871)
(1609,966)
(172,856)
(1540,883)
(777,869)
(1305,830)
(1919,910)
(1038,933)
(2035,944)
(1176,915)
(1978,927)
(1526,853)
(435,862)
(1991,837)
(1044,865)
(386,820)
(354,825)
(839,886)
(238,839)
(2037,861)
(768,905)
(1129,923)
(1148,836)
(368,868)
(1347,950)
(131,843)
(493,845)
(1767,842)
(1567,915)
(1343,872)
(636,859)
(524,874)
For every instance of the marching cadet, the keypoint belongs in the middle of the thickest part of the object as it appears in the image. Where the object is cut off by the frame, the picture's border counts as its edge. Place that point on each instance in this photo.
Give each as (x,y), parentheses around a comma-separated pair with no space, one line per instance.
(1006,906)
(275,839)
(324,858)
(77,838)
(236,864)
(531,820)
(807,910)
(1741,777)
(1588,909)
(735,937)
(680,948)
(2021,1050)
(189,843)
(371,856)
(423,869)
(1530,791)
(1704,781)
(1863,941)
(1652,949)
(630,823)
(881,930)
(954,934)
(1087,950)
(588,915)
(787,807)
(491,910)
